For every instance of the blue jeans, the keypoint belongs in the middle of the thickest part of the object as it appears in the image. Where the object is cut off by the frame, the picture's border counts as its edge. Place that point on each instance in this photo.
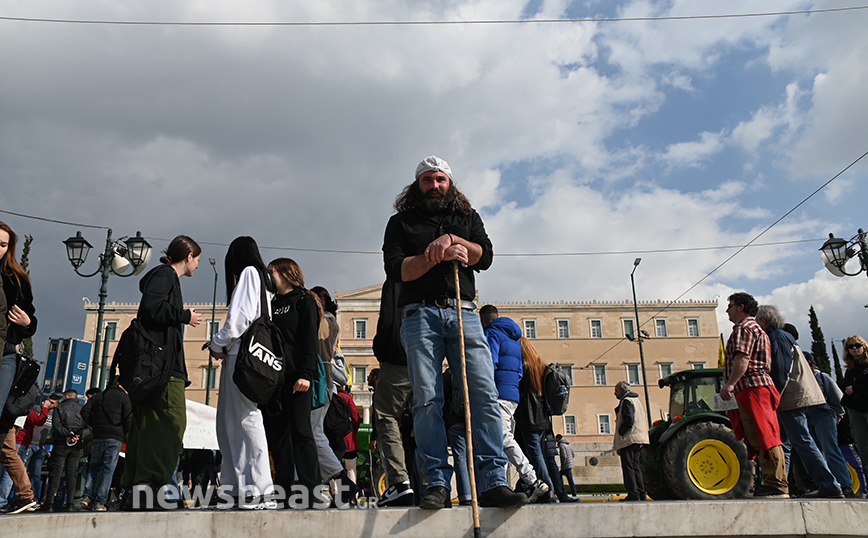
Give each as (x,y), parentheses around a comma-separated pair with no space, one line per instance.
(824,430)
(532,445)
(7,375)
(428,334)
(35,459)
(5,487)
(103,459)
(458,442)
(795,422)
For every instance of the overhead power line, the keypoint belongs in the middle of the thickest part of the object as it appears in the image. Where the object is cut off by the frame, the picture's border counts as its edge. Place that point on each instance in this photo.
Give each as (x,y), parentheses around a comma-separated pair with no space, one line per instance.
(511,255)
(724,262)
(435,23)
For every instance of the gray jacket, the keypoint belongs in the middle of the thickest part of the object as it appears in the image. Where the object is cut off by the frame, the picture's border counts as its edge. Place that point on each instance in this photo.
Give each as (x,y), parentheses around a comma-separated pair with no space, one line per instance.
(567,455)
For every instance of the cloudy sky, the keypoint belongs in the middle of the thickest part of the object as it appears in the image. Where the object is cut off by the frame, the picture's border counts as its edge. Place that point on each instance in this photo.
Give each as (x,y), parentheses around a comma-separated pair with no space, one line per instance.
(580,137)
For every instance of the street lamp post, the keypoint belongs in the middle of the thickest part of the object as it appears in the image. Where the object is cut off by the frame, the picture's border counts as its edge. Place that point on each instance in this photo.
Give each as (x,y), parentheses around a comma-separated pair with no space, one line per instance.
(213,263)
(639,337)
(836,252)
(116,259)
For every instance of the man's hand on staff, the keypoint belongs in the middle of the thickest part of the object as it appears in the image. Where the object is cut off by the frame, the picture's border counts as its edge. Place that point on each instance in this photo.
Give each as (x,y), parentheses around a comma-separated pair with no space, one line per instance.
(446,248)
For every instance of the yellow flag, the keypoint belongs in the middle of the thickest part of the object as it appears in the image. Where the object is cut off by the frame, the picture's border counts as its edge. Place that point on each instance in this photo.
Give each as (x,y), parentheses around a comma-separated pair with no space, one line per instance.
(721,356)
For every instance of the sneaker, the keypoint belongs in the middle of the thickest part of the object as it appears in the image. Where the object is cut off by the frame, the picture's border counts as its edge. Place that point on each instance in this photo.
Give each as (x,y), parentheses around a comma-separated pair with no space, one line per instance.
(397,495)
(821,494)
(436,497)
(98,507)
(67,507)
(85,503)
(503,497)
(257,504)
(567,499)
(849,493)
(536,491)
(20,505)
(768,492)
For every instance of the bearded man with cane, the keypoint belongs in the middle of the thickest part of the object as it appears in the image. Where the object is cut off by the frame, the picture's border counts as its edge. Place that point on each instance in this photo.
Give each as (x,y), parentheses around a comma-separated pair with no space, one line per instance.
(434,227)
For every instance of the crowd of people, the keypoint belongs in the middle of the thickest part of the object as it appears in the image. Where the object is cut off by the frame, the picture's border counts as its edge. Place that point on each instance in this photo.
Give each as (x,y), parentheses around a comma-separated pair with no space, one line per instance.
(433,245)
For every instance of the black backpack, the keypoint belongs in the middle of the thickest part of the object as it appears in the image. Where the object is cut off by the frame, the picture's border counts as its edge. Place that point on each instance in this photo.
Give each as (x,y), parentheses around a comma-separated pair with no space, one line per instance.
(142,367)
(556,389)
(259,368)
(26,374)
(21,404)
(338,422)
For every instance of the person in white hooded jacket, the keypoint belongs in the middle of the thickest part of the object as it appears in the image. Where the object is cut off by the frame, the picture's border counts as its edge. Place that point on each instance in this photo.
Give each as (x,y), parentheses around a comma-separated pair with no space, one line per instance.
(245,471)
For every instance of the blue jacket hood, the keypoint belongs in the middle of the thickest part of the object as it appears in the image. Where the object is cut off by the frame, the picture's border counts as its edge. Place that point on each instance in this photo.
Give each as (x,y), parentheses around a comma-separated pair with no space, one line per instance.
(506,326)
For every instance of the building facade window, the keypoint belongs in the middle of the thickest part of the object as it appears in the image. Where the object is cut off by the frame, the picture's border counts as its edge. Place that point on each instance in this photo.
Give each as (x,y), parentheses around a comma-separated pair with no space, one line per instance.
(596,328)
(629,327)
(693,327)
(568,369)
(360,328)
(360,375)
(660,324)
(530,328)
(604,424)
(209,380)
(563,328)
(665,369)
(600,377)
(213,327)
(111,331)
(570,427)
(697,365)
(633,374)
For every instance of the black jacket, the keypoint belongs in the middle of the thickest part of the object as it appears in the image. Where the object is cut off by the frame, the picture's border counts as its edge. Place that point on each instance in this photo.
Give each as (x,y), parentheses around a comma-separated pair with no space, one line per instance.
(109,414)
(67,421)
(409,233)
(162,314)
(297,317)
(858,378)
(387,342)
(22,296)
(530,415)
(628,413)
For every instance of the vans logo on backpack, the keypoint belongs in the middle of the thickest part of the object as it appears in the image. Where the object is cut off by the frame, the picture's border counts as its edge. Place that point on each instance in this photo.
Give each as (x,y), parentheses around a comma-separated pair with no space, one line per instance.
(265,355)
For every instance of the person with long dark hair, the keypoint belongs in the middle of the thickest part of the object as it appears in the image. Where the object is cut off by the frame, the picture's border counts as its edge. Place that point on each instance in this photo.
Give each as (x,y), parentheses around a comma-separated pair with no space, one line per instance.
(20,323)
(287,420)
(245,471)
(157,429)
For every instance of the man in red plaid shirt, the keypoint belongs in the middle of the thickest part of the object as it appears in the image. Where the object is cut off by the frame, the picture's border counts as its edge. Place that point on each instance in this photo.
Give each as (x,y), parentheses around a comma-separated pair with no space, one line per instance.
(746,373)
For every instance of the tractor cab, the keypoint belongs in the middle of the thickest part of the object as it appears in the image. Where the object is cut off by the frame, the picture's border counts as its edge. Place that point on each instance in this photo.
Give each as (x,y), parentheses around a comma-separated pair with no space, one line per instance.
(693,392)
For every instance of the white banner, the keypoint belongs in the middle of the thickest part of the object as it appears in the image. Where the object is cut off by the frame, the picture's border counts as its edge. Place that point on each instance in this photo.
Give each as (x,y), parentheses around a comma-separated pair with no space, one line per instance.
(201,426)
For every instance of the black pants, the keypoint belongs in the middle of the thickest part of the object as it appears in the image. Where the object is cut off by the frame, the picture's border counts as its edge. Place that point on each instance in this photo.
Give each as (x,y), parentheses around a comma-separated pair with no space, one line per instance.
(291,442)
(632,473)
(63,458)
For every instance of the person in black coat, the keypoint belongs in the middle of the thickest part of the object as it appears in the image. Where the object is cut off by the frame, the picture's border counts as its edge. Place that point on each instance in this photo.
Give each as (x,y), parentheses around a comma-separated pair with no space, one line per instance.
(287,417)
(157,428)
(109,414)
(70,433)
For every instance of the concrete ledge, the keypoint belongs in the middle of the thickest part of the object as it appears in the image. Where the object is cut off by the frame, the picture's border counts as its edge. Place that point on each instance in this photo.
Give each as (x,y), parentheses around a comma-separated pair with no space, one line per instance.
(773,518)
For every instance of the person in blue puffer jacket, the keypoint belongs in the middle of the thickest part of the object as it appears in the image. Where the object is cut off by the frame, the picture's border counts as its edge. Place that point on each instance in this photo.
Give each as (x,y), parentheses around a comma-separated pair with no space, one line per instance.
(503,336)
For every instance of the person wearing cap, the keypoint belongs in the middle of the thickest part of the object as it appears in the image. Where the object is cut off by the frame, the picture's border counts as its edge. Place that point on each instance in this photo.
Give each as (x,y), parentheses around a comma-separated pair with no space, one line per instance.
(434,226)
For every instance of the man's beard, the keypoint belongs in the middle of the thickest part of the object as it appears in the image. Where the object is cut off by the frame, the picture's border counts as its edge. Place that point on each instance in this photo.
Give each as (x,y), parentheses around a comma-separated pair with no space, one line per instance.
(437,204)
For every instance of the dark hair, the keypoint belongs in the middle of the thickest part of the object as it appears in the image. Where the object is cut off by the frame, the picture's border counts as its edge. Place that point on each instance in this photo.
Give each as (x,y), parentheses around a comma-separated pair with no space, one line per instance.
(71,393)
(412,195)
(747,301)
(8,264)
(488,313)
(325,299)
(289,271)
(243,253)
(55,397)
(790,328)
(92,391)
(179,249)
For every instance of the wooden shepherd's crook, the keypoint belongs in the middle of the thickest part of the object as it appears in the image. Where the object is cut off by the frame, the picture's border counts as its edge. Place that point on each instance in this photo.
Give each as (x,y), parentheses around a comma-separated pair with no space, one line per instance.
(468,431)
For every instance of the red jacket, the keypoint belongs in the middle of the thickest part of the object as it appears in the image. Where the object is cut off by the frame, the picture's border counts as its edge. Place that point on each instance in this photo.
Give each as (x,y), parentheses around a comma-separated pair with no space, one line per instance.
(350,440)
(25,436)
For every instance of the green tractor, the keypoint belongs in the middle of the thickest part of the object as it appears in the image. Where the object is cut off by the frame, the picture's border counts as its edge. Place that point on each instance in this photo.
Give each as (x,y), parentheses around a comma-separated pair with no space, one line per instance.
(694,453)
